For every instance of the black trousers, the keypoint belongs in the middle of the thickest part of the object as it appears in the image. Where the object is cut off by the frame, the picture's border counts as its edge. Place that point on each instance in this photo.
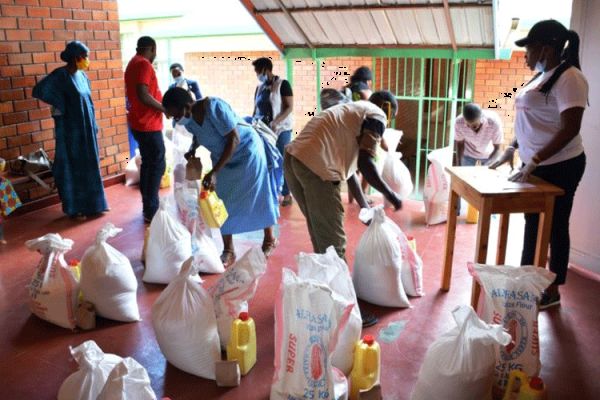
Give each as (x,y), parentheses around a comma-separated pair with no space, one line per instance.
(566,175)
(152,150)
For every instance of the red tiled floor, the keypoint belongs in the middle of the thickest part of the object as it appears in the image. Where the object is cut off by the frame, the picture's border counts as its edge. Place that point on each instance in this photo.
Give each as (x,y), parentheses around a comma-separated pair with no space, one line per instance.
(35,358)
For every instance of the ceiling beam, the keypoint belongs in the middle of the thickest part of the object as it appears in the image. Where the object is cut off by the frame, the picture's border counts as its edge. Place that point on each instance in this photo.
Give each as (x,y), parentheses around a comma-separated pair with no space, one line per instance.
(450,25)
(264,25)
(295,23)
(371,7)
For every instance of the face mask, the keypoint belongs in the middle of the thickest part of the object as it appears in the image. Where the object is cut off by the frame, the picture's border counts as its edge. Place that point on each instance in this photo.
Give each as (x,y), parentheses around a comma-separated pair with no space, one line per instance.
(540,66)
(178,80)
(183,121)
(84,63)
(262,78)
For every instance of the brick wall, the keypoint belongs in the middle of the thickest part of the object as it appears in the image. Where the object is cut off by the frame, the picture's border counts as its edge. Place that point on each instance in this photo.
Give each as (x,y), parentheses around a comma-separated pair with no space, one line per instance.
(496,82)
(32,35)
(231,76)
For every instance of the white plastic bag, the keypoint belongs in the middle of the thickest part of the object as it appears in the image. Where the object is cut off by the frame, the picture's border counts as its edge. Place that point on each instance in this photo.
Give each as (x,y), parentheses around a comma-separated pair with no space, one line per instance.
(332,271)
(459,365)
(132,170)
(169,245)
(53,290)
(512,296)
(412,268)
(127,381)
(394,172)
(308,319)
(108,280)
(236,287)
(437,186)
(94,368)
(377,274)
(184,321)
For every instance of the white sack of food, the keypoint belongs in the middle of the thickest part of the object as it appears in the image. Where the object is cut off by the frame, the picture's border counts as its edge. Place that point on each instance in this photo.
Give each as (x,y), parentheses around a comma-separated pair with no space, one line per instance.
(437,186)
(128,380)
(378,262)
(169,245)
(459,365)
(108,280)
(184,322)
(132,170)
(308,319)
(394,172)
(511,298)
(94,367)
(235,288)
(54,289)
(332,271)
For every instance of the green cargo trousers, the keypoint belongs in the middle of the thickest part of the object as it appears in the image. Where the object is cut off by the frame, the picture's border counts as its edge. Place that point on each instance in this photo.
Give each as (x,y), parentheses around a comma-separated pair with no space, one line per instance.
(321,203)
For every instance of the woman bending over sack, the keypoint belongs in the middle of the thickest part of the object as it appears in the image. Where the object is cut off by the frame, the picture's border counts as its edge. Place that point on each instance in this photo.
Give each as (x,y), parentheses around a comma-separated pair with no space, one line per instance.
(242,173)
(549,112)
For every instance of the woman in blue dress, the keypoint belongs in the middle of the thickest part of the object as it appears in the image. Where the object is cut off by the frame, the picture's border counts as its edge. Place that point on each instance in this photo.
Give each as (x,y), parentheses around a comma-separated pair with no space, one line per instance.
(243,166)
(76,168)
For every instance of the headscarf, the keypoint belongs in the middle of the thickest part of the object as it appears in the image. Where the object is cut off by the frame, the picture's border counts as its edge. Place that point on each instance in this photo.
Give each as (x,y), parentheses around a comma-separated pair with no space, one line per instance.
(73,50)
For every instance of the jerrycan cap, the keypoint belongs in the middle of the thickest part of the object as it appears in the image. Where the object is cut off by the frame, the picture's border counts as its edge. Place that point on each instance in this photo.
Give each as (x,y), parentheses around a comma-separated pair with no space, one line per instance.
(410,237)
(204,194)
(536,383)
(73,262)
(244,316)
(368,340)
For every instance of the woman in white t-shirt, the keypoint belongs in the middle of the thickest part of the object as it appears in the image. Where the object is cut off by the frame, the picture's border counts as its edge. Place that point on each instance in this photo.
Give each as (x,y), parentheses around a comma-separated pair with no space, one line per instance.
(548,119)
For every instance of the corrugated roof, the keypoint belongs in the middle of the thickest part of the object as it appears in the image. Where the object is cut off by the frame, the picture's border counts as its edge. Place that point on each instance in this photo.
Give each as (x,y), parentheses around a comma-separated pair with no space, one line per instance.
(376,23)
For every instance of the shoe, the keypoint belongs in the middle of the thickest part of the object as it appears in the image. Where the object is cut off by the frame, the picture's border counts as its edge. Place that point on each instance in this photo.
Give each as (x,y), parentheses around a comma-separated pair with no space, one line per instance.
(549,300)
(287,201)
(228,258)
(368,319)
(269,247)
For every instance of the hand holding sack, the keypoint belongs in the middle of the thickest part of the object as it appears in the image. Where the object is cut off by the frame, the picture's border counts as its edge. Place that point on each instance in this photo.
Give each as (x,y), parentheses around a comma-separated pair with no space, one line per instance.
(512,296)
(184,322)
(53,290)
(459,365)
(108,280)
(235,288)
(308,319)
(332,271)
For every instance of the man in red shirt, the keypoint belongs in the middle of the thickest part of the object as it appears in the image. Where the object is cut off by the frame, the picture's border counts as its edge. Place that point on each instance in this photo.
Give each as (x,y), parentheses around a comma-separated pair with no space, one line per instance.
(145,118)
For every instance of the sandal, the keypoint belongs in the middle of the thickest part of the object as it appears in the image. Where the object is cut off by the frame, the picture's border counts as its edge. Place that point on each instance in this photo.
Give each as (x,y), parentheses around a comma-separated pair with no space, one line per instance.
(287,202)
(268,247)
(228,258)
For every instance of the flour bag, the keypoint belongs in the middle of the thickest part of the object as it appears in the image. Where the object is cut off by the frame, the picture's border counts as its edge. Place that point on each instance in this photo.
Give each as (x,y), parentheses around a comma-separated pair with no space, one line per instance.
(108,280)
(308,319)
(127,381)
(235,288)
(169,245)
(54,289)
(437,186)
(511,298)
(332,271)
(459,365)
(394,172)
(377,274)
(184,322)
(94,368)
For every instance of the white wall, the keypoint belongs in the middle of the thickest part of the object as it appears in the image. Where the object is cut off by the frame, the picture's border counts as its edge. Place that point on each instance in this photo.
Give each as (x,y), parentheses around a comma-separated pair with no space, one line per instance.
(585,219)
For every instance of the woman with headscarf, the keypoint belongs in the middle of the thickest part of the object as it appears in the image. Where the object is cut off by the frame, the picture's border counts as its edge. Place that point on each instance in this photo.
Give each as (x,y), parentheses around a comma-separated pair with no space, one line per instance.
(76,163)
(549,112)
(244,166)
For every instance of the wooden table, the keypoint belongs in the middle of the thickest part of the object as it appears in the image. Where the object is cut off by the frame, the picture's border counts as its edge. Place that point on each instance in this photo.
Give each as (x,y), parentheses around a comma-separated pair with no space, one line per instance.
(490,192)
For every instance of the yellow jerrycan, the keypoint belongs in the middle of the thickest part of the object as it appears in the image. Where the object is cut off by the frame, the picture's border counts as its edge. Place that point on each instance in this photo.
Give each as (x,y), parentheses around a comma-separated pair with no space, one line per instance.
(530,388)
(242,343)
(472,214)
(366,366)
(212,208)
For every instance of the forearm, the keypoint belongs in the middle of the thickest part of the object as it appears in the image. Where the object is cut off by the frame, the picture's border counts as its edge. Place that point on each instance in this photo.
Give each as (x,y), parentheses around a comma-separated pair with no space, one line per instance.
(286,110)
(230,146)
(557,143)
(151,102)
(354,188)
(367,167)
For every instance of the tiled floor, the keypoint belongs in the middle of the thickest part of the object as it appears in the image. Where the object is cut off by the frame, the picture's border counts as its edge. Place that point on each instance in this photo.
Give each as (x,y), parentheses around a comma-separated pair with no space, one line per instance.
(34,356)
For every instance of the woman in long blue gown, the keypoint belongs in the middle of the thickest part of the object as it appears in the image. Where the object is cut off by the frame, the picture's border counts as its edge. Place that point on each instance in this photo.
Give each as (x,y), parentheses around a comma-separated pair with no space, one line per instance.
(76,168)
(244,165)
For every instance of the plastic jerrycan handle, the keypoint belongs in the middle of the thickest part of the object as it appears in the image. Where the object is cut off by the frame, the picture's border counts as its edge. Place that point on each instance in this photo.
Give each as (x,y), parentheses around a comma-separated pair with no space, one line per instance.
(512,378)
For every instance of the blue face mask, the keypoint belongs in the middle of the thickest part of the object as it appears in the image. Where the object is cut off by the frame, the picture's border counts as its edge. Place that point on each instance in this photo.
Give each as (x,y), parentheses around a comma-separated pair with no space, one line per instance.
(183,121)
(262,78)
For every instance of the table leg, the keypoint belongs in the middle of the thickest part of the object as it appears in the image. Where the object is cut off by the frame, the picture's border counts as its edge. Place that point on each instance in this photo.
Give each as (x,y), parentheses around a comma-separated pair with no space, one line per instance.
(502,237)
(483,236)
(544,230)
(450,237)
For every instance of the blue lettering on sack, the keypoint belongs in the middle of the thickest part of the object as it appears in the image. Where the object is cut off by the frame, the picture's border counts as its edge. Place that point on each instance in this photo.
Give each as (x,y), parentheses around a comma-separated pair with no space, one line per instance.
(519,295)
(516,325)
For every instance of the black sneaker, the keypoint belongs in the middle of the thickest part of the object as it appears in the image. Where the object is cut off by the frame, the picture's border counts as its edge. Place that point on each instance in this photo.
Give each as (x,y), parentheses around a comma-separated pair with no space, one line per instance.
(368,319)
(549,300)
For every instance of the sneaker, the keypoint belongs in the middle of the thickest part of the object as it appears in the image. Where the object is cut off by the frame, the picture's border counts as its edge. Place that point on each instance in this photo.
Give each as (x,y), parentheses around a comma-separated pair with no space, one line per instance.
(368,319)
(549,300)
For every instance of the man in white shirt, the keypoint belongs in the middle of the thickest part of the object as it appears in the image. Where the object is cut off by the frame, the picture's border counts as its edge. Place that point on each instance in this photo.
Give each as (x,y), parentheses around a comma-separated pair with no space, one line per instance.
(478,136)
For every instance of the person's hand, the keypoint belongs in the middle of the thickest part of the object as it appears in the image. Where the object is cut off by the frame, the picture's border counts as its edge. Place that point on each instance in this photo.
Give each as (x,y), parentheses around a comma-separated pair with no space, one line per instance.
(189,154)
(210,181)
(524,173)
(507,156)
(395,200)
